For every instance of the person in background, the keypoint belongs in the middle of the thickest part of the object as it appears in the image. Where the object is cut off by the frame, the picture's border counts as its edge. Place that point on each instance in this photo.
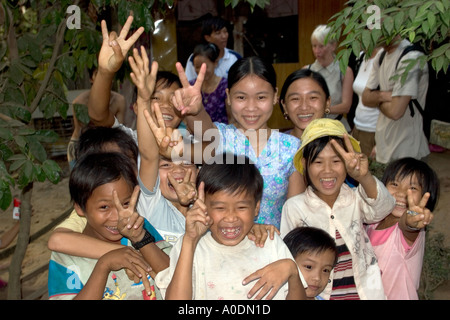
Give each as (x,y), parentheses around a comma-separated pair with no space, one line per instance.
(340,85)
(215,30)
(117,106)
(399,131)
(366,118)
(213,87)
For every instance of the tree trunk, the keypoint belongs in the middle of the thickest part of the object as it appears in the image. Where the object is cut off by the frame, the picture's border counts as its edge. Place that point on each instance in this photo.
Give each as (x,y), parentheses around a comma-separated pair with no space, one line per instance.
(15,268)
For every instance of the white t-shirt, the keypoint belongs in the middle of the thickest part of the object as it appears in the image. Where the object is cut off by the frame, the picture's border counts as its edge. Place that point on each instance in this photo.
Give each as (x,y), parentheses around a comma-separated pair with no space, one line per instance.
(404,137)
(365,117)
(218,270)
(224,64)
(161,213)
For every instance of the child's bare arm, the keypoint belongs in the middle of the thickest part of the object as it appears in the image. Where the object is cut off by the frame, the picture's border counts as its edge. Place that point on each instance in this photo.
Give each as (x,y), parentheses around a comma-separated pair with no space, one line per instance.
(272,277)
(145,80)
(197,223)
(112,53)
(115,260)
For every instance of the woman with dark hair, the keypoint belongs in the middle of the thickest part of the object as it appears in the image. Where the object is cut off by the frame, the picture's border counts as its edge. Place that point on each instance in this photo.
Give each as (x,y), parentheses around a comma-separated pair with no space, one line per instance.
(303,98)
(251,94)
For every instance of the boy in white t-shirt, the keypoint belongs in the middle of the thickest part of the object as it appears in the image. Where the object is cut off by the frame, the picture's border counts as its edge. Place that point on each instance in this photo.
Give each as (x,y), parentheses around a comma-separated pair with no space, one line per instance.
(215,259)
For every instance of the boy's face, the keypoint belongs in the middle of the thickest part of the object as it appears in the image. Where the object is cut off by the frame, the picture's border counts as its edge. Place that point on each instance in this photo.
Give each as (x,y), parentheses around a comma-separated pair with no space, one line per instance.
(178,170)
(163,96)
(316,269)
(219,38)
(232,215)
(101,213)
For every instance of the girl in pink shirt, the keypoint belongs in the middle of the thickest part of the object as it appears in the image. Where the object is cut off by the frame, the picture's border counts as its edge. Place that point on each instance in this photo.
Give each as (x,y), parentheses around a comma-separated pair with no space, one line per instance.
(399,239)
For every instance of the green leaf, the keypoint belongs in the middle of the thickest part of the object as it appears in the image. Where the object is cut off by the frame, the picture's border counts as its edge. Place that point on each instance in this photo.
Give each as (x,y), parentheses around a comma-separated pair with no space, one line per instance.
(26,174)
(17,164)
(5,197)
(52,170)
(6,134)
(16,74)
(366,38)
(36,148)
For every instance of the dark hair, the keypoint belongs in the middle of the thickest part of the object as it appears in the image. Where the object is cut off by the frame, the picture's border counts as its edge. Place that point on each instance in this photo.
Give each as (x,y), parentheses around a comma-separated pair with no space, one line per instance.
(209,50)
(231,173)
(310,239)
(94,140)
(212,24)
(312,150)
(166,78)
(96,169)
(301,74)
(252,65)
(408,167)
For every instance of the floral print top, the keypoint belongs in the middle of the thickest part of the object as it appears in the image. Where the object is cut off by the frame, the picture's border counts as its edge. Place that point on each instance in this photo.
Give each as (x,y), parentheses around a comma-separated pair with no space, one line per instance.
(275,164)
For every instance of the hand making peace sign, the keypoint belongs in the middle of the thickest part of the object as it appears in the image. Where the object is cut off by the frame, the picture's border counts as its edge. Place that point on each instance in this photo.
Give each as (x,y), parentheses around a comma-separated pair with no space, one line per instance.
(197,219)
(169,140)
(114,48)
(186,191)
(188,100)
(357,164)
(417,215)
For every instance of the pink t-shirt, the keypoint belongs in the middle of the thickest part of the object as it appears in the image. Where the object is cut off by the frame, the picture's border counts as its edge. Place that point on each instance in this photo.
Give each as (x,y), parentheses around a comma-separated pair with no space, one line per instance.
(400,263)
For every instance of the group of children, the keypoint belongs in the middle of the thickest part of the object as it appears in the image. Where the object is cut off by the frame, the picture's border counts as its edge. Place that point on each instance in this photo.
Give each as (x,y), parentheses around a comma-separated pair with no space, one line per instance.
(210,230)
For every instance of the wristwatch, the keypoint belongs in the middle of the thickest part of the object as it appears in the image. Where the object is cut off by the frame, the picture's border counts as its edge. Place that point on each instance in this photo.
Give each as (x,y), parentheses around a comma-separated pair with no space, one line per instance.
(148,238)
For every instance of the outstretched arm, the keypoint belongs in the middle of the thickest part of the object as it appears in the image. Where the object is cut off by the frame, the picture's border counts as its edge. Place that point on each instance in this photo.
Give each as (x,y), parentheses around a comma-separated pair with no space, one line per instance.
(114,49)
(145,80)
(197,223)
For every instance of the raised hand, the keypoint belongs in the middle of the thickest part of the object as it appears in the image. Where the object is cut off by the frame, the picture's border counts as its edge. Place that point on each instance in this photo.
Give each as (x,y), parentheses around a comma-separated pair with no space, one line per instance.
(130,224)
(141,76)
(357,164)
(188,100)
(169,140)
(417,215)
(197,219)
(185,189)
(114,48)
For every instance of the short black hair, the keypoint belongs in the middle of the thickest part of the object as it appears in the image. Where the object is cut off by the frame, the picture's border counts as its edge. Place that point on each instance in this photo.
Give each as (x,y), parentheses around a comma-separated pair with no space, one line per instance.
(212,24)
(310,239)
(94,140)
(231,173)
(93,170)
(426,176)
(166,78)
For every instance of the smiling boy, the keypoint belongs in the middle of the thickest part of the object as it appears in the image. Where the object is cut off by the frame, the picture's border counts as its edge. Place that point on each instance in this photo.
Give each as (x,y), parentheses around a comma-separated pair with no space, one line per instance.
(215,259)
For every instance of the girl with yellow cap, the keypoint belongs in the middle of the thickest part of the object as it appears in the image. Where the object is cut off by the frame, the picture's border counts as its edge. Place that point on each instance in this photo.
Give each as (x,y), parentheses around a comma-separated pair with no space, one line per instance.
(326,156)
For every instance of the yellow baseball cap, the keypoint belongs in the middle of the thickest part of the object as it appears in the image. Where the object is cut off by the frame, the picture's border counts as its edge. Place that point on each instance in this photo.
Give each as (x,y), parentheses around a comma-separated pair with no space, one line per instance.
(320,128)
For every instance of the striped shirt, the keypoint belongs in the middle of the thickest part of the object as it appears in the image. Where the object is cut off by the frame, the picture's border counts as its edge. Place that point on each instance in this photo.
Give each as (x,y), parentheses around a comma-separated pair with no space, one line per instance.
(344,287)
